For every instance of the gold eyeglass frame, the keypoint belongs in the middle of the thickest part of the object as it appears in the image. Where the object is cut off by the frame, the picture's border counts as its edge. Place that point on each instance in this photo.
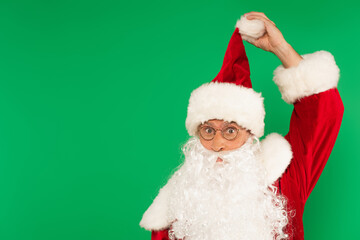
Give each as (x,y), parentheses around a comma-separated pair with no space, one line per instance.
(219,129)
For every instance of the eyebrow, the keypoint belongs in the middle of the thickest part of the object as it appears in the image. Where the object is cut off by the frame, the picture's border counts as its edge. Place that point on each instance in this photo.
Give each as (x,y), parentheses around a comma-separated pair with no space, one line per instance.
(232,122)
(224,124)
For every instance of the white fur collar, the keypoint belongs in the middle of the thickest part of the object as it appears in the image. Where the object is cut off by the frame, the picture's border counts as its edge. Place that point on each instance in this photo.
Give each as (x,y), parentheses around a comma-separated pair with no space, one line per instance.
(275,154)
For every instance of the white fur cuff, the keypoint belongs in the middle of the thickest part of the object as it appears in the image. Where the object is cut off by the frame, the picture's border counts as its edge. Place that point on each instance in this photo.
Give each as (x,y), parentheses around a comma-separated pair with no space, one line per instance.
(316,73)
(155,217)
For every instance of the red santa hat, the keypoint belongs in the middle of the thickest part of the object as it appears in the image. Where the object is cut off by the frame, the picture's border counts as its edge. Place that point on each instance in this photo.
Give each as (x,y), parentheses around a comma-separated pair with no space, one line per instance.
(229,96)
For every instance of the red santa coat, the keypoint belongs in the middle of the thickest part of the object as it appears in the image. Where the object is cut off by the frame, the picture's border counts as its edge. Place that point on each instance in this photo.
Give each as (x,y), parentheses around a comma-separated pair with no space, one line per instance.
(314,126)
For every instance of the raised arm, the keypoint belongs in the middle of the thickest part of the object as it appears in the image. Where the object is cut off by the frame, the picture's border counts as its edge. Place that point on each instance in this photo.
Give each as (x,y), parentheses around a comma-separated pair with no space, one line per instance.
(309,82)
(317,115)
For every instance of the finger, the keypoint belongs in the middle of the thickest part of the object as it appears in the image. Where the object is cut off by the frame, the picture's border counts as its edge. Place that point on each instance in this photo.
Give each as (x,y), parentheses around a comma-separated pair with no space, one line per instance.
(248,39)
(253,15)
(255,42)
(270,27)
(265,20)
(259,14)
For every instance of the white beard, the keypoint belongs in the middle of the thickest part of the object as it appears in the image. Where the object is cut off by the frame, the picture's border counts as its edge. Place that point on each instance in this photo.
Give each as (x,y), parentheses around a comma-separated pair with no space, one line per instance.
(224,201)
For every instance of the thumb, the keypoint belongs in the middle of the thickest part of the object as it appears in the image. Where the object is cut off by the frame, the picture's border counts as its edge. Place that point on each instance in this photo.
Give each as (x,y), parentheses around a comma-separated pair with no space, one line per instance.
(249,39)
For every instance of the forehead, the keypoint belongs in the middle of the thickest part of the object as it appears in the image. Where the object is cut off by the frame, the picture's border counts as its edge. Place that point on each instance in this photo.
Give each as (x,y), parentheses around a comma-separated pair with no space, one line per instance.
(219,123)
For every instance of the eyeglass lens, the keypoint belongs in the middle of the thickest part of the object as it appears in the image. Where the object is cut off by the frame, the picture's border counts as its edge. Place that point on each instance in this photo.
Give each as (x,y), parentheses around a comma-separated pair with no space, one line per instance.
(228,133)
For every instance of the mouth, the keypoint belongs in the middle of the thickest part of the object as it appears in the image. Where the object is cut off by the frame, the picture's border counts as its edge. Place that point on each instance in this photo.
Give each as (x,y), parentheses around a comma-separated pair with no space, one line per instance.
(219,160)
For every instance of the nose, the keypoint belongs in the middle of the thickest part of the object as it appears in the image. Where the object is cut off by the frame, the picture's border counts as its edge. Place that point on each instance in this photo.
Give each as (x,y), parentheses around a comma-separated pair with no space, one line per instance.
(218,142)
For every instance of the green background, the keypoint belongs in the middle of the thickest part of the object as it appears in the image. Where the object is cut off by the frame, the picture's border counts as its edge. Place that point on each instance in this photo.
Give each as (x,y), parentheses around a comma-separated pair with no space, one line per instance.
(93,98)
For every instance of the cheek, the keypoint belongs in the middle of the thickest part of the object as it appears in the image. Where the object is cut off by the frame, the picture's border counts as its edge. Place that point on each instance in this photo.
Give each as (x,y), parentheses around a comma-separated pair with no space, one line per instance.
(206,144)
(235,144)
(238,142)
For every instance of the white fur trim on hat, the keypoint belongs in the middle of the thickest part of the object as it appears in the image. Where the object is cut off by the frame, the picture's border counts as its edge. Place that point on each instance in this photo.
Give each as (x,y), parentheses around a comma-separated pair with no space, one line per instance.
(155,217)
(250,29)
(316,73)
(228,102)
(276,154)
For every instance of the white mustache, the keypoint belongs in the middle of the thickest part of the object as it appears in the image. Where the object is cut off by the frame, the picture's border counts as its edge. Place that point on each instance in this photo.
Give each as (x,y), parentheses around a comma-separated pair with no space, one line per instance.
(229,156)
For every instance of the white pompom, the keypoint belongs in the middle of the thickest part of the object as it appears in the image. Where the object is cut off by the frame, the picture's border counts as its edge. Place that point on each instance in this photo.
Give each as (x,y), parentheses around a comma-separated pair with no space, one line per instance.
(250,29)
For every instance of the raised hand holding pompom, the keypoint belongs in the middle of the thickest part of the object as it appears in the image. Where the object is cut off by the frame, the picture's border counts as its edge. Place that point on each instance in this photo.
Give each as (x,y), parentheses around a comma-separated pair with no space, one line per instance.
(268,37)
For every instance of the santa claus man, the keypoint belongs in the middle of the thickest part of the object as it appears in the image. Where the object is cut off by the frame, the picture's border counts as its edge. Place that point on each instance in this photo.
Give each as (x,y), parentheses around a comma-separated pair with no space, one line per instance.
(232,186)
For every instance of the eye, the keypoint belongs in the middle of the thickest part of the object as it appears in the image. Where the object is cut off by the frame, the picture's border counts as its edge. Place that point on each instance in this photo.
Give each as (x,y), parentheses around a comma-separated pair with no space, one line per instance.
(231,130)
(208,130)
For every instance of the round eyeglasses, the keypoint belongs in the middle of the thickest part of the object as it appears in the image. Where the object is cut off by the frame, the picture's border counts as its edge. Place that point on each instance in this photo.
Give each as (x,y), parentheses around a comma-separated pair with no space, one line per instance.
(208,133)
